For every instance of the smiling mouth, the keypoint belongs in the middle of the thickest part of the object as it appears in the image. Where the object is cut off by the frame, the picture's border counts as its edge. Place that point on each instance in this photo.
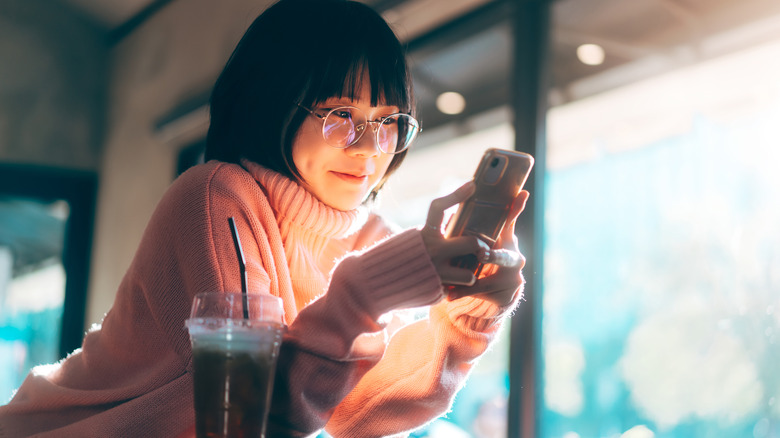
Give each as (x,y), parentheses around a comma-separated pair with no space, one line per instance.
(356,179)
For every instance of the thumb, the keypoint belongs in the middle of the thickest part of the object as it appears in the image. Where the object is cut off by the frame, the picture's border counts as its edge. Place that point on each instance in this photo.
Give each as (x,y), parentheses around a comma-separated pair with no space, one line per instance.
(517,207)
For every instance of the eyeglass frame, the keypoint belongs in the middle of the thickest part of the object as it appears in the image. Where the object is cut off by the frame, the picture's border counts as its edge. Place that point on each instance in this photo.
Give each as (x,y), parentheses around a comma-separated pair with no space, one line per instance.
(379,121)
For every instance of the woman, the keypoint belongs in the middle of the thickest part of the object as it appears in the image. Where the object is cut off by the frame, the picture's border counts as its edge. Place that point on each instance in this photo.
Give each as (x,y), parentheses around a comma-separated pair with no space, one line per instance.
(311,115)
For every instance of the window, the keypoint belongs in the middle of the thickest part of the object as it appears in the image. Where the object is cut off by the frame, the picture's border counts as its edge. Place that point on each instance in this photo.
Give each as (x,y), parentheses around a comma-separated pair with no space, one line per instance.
(32,287)
(46,218)
(662,256)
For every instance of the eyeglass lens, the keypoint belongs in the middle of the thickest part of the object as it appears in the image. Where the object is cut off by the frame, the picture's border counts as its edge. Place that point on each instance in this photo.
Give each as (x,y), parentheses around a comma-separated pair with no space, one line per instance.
(344,126)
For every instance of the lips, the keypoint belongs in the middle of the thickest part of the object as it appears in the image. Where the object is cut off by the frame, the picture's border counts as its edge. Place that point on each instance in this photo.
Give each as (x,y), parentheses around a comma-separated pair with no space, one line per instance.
(355,178)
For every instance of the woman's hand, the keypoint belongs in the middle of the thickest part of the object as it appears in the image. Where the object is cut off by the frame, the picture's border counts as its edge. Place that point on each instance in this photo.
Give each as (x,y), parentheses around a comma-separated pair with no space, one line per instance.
(500,277)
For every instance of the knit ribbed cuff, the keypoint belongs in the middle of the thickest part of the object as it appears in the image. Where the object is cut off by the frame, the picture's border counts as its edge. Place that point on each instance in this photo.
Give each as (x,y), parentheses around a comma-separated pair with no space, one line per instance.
(397,273)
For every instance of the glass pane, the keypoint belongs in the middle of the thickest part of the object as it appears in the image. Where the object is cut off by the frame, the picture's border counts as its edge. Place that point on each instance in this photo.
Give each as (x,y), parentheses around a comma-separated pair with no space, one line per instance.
(662,255)
(32,287)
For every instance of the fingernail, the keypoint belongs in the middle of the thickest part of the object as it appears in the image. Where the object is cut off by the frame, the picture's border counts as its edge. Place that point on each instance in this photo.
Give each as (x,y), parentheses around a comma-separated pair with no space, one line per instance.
(483,253)
(507,259)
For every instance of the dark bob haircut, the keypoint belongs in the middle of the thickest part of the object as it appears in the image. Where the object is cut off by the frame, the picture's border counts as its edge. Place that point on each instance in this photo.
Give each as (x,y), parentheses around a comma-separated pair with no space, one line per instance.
(302,51)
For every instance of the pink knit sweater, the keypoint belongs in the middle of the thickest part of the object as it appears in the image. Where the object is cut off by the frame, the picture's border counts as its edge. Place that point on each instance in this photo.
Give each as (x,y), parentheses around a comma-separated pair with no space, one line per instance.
(339,368)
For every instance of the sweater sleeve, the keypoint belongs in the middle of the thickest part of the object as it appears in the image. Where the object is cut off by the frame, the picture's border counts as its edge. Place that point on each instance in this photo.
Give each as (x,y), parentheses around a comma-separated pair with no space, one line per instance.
(424,366)
(335,340)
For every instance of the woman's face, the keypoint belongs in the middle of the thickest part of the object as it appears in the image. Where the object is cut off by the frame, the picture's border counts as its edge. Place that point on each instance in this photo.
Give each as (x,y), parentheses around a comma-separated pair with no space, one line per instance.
(341,178)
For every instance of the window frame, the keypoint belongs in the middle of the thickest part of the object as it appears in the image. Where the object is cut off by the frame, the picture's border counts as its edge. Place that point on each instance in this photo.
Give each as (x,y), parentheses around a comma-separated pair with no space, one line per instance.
(79,189)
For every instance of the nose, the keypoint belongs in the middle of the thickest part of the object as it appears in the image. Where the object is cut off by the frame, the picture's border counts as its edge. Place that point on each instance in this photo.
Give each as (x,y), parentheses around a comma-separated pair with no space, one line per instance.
(366,146)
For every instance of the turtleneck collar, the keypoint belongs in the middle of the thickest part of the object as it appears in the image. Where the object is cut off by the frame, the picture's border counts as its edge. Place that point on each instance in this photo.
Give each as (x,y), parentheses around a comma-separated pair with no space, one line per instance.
(296,205)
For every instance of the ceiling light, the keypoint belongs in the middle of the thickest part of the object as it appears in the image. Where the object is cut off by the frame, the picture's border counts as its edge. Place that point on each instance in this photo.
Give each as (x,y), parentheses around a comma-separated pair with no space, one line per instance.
(451,102)
(590,54)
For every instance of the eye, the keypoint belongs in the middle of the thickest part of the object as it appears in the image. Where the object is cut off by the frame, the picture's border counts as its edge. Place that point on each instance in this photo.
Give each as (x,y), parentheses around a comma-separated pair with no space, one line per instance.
(343,114)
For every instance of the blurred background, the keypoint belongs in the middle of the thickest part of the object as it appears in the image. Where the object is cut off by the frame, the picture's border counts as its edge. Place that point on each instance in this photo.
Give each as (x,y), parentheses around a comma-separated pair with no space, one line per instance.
(653,236)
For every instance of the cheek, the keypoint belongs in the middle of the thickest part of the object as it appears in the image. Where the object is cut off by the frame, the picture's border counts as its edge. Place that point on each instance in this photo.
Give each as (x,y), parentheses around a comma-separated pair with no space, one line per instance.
(297,152)
(297,155)
(303,150)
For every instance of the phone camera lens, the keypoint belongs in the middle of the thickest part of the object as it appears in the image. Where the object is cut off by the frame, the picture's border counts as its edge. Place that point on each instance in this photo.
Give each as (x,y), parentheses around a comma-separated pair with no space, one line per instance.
(494,163)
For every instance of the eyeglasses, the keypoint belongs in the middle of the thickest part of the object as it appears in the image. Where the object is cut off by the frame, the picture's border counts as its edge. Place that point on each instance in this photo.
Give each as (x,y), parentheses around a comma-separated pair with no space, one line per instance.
(345,125)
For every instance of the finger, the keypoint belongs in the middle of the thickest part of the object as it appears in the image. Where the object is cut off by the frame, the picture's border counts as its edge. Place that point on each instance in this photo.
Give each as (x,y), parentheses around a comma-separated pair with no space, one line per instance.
(505,258)
(519,204)
(439,205)
(498,287)
(507,237)
(500,297)
(453,276)
(463,245)
(517,207)
(493,277)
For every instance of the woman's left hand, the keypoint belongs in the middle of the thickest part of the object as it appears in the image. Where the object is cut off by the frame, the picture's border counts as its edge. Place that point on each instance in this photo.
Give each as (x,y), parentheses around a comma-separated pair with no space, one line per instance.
(501,275)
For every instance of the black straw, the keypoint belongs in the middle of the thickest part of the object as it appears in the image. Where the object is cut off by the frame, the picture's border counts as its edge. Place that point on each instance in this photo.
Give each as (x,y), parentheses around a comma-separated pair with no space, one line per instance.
(241,265)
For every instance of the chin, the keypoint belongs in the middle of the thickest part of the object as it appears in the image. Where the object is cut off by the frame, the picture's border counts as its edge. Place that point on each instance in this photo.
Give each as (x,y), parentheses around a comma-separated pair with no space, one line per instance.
(345,201)
(344,204)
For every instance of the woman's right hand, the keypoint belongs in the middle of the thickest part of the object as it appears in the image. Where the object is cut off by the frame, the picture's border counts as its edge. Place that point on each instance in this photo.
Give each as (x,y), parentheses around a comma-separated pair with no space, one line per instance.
(500,279)
(442,250)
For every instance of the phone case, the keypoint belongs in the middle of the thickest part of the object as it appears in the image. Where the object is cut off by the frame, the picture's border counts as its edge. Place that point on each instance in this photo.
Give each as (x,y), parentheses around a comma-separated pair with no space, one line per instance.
(499,178)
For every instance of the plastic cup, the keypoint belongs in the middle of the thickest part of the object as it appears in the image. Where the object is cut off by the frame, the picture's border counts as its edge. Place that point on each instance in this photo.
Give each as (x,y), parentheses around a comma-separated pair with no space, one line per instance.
(234,360)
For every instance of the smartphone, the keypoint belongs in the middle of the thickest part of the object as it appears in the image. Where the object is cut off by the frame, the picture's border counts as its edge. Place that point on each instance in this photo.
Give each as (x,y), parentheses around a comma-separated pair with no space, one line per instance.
(499,178)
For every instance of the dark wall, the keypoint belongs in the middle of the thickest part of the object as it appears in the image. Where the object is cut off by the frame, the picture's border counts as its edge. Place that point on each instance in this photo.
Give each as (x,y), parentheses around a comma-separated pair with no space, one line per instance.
(53,85)
(53,101)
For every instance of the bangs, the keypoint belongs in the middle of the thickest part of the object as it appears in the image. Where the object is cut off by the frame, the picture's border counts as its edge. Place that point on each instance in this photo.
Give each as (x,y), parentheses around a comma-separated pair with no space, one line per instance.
(344,64)
(346,81)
